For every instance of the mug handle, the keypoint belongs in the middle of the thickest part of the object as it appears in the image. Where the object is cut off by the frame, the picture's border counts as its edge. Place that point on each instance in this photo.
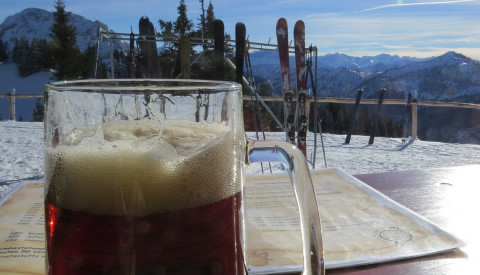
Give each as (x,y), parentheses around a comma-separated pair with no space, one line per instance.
(294,160)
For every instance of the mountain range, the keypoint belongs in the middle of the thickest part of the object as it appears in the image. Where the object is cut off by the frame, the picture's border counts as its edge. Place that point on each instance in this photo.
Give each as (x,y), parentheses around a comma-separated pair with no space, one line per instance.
(449,77)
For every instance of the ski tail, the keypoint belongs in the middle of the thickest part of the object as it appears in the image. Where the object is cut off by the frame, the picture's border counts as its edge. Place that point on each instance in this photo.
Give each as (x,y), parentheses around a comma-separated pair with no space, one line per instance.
(132,54)
(240,33)
(351,124)
(288,107)
(408,111)
(219,44)
(302,117)
(148,49)
(377,116)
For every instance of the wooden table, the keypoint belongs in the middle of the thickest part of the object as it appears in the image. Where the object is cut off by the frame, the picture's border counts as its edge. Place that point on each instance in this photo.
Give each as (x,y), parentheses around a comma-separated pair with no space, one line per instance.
(449,197)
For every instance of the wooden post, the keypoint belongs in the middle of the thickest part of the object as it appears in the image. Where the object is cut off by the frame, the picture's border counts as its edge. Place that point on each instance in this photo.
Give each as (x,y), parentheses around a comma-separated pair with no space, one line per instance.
(11,100)
(185,57)
(414,117)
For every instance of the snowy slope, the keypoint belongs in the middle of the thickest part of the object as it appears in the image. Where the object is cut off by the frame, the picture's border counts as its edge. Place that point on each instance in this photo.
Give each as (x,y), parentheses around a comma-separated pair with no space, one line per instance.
(21,154)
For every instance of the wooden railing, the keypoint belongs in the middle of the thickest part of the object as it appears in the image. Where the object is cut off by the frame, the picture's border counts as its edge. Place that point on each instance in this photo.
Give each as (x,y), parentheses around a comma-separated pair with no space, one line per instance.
(11,100)
(415,105)
(12,96)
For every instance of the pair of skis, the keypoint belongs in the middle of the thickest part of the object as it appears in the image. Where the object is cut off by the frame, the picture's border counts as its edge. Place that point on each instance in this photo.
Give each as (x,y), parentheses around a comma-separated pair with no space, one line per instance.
(295,115)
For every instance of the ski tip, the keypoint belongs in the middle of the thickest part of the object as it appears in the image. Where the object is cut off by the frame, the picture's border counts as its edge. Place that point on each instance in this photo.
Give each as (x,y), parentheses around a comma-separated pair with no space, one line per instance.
(240,28)
(299,23)
(240,25)
(282,28)
(143,20)
(217,23)
(282,22)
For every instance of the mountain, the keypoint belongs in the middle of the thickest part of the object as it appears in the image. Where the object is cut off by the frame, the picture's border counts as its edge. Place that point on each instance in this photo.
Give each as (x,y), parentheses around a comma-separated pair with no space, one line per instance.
(35,23)
(449,77)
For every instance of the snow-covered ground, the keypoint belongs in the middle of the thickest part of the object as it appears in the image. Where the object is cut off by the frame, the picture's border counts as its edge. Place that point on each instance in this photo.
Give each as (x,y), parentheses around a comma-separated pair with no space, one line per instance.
(21,154)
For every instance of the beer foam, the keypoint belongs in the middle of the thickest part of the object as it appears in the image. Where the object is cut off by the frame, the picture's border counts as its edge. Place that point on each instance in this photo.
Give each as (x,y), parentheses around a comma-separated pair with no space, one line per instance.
(131,168)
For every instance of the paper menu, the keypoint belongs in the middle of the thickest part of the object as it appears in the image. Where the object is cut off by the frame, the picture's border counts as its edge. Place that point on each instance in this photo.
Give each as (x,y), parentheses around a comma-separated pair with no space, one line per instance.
(359,224)
(22,245)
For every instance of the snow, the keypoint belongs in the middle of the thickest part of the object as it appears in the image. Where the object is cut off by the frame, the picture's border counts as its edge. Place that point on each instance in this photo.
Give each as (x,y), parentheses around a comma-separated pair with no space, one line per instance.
(21,154)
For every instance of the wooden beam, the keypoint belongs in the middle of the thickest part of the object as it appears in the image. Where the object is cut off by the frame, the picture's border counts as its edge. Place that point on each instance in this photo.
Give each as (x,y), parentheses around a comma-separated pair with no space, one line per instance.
(185,57)
(375,101)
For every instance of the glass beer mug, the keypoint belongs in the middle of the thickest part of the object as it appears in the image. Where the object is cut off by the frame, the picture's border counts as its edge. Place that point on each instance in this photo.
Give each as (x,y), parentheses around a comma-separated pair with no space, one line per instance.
(146,177)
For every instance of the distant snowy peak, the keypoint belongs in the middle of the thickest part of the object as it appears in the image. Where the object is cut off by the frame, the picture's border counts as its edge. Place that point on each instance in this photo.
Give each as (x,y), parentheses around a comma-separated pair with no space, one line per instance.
(339,60)
(452,59)
(36,23)
(384,60)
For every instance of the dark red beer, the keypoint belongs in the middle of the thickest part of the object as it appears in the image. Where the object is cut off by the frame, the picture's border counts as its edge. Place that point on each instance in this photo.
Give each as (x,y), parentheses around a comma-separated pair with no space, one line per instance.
(140,203)
(200,240)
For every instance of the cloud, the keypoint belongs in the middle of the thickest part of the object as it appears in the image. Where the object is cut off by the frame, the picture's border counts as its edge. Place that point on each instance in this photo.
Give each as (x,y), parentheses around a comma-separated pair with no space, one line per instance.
(401,4)
(402,34)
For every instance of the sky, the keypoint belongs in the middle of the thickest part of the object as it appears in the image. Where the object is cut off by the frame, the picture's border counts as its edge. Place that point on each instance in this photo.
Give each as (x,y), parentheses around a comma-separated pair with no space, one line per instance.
(420,28)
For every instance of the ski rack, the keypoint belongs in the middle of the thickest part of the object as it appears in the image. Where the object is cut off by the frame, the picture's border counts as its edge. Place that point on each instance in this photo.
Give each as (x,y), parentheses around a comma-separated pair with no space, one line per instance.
(194,41)
(109,36)
(209,42)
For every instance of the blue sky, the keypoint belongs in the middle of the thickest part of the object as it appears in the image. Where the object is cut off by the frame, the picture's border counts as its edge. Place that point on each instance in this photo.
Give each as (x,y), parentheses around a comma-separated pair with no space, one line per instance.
(419,28)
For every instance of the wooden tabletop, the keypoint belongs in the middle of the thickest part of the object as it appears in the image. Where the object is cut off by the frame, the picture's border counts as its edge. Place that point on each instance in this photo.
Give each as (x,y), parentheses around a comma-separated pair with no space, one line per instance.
(450,197)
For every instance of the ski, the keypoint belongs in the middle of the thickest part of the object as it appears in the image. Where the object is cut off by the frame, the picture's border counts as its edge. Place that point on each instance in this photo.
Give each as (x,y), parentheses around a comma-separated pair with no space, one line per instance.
(351,124)
(408,111)
(132,54)
(317,122)
(148,49)
(288,107)
(302,118)
(240,34)
(377,116)
(219,44)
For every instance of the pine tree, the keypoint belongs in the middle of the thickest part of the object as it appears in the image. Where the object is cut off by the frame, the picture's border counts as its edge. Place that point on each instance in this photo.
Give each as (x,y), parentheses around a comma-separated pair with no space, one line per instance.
(87,63)
(41,54)
(38,111)
(183,26)
(3,52)
(202,19)
(23,56)
(19,49)
(210,18)
(168,53)
(64,45)
(206,21)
